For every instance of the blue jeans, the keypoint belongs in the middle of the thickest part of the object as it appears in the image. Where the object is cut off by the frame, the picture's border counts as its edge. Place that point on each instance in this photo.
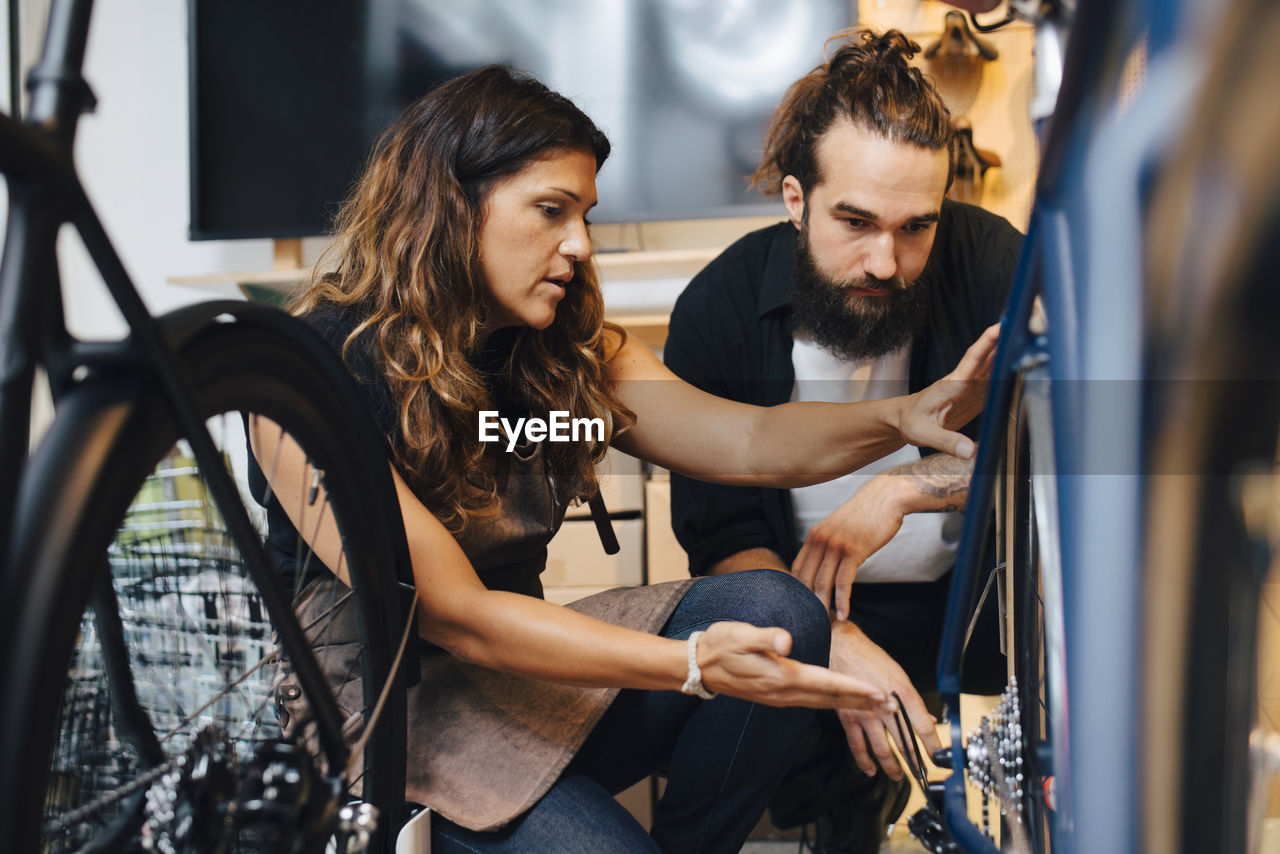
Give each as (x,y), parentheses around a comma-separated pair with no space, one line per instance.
(723,758)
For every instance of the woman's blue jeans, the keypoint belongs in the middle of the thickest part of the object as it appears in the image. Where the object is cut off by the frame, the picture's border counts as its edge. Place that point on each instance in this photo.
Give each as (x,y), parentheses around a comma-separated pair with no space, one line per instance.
(722,758)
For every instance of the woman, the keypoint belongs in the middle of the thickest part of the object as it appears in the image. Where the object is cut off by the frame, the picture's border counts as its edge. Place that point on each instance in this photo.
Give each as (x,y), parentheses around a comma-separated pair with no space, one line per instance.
(465,286)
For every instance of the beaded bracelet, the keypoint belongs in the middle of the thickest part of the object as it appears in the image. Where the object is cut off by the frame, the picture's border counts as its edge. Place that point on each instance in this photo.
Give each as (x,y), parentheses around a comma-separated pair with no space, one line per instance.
(693,684)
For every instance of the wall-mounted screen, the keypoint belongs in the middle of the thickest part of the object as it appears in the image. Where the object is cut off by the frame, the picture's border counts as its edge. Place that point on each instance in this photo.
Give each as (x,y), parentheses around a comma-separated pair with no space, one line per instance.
(287,96)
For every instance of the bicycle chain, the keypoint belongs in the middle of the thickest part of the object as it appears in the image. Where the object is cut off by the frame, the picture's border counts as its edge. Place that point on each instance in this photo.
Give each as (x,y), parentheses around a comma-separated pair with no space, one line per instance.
(206,770)
(66,821)
(993,756)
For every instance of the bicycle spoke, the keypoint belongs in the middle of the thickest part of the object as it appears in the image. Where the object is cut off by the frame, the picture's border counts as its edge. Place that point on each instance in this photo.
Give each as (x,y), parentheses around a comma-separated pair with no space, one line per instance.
(195,667)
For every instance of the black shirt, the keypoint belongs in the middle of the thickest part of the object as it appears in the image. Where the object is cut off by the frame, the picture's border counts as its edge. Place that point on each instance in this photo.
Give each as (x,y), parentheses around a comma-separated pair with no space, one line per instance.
(731,331)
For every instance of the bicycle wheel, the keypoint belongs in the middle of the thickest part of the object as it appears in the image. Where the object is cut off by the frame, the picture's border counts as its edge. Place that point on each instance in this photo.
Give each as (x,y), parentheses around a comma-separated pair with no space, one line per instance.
(1212,521)
(155,706)
(1207,755)
(1037,660)
(1012,751)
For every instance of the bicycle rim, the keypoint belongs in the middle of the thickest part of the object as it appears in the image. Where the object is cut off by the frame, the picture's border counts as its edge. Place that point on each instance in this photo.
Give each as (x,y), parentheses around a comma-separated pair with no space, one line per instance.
(1037,596)
(1012,751)
(177,722)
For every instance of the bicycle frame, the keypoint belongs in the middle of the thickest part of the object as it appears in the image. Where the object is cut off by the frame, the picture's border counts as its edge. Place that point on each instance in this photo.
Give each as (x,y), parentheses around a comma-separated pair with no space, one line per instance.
(1082,258)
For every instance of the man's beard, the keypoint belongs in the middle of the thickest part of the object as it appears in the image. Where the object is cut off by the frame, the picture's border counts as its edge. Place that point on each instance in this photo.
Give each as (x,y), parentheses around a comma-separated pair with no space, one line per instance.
(850,325)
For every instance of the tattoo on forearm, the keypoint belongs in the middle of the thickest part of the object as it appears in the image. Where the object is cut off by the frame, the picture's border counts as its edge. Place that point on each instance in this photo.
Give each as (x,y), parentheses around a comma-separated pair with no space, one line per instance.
(941,477)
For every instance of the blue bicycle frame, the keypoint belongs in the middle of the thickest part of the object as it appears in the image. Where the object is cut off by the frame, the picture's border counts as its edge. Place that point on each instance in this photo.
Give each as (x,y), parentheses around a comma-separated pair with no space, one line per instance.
(1082,257)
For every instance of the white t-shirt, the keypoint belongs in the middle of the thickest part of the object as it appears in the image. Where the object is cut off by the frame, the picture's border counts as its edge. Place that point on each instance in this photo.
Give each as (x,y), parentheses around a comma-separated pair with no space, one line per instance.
(925,547)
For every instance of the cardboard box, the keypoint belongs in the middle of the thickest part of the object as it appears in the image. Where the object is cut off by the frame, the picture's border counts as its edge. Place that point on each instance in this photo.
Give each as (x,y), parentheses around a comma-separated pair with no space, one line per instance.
(666,560)
(575,557)
(621,486)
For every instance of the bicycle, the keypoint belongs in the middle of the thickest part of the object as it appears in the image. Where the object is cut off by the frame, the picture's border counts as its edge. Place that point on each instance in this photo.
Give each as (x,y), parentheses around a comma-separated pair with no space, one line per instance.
(162,693)
(1130,721)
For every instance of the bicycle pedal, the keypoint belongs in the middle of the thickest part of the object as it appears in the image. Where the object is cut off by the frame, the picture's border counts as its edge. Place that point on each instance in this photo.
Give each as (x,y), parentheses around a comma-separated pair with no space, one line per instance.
(926,828)
(357,823)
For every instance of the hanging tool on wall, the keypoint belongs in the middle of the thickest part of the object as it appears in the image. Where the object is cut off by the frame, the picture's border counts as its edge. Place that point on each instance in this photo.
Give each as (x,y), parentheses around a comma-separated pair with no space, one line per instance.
(958,42)
(969,163)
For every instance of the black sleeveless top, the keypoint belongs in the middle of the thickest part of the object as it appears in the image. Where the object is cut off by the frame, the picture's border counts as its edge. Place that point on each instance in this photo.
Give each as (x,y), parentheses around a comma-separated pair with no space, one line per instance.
(508,550)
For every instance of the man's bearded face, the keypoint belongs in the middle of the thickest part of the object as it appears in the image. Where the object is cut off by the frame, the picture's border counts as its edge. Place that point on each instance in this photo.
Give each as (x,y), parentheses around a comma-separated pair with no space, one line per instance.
(851,324)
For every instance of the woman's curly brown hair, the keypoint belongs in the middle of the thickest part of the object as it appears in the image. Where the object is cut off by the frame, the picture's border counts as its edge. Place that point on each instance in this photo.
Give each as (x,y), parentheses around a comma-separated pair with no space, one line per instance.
(408,240)
(869,82)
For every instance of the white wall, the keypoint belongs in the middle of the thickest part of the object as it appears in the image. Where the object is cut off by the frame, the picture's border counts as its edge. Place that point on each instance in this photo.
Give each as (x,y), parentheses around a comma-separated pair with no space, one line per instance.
(132,157)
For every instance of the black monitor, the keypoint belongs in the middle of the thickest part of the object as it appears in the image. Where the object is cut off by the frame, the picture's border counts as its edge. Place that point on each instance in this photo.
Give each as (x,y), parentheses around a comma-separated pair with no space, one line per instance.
(288,96)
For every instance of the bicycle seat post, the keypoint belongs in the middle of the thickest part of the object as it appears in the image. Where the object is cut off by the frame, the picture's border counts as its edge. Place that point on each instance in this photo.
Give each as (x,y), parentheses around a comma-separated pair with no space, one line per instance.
(59,93)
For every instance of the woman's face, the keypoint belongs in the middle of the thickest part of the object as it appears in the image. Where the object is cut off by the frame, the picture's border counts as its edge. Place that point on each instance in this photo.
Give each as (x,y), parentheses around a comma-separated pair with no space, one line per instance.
(534,229)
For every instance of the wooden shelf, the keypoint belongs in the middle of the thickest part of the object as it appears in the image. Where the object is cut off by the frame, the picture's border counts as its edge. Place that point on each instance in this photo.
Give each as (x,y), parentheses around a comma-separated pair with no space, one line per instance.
(619,267)
(614,266)
(667,263)
(278,279)
(649,328)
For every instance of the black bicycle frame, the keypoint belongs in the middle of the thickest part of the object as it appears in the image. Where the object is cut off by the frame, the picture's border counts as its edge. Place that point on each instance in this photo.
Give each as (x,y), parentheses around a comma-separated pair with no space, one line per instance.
(45,192)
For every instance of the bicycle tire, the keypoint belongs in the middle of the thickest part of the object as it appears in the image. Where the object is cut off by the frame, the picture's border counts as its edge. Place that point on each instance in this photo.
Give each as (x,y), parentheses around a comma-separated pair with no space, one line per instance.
(1204,754)
(1212,526)
(129,726)
(1010,751)
(1032,531)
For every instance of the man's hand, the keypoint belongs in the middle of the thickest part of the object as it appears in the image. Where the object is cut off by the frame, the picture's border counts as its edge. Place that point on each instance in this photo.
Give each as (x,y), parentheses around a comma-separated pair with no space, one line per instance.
(853,653)
(930,417)
(837,546)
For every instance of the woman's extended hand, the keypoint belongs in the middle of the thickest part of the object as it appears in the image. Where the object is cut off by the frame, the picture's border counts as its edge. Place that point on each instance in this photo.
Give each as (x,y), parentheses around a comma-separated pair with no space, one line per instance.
(932,415)
(749,662)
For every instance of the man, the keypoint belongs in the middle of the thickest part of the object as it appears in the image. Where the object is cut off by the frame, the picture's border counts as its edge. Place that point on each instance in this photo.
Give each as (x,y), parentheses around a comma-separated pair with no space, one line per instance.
(874,287)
